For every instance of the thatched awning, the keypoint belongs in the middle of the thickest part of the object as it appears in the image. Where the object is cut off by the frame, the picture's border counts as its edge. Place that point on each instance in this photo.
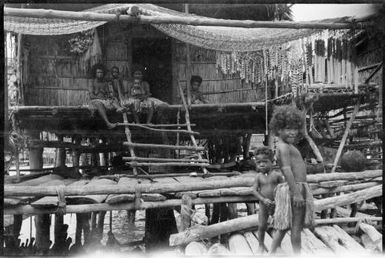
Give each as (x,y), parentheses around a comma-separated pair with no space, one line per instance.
(210,37)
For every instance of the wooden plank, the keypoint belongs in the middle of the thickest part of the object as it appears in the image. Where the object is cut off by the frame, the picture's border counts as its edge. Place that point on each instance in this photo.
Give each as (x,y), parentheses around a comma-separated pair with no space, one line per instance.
(330,237)
(314,244)
(369,244)
(374,236)
(51,201)
(40,180)
(233,191)
(238,245)
(348,241)
(120,198)
(144,188)
(82,208)
(253,242)
(89,199)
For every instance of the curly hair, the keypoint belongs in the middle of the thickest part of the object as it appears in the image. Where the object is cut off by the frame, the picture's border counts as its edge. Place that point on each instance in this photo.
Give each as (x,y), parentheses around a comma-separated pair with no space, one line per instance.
(96,67)
(196,78)
(286,116)
(264,151)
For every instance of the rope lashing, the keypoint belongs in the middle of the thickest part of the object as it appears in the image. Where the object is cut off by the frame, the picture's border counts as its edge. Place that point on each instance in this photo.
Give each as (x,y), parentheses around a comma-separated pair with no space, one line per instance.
(61,204)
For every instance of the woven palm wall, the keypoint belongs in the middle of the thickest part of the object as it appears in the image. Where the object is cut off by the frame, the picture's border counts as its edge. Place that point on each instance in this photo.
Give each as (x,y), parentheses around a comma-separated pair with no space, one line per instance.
(216,87)
(55,76)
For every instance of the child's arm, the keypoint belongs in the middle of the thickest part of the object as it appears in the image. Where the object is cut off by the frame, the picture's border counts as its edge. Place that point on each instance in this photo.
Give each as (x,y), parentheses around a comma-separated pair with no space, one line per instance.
(288,173)
(257,194)
(146,87)
(93,91)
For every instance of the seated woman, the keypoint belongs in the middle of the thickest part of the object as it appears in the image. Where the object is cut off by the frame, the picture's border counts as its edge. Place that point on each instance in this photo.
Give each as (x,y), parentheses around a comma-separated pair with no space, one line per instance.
(101,95)
(137,97)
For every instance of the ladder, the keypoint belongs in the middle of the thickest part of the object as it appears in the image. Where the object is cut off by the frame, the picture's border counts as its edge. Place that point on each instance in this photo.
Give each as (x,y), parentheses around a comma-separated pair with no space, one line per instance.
(136,162)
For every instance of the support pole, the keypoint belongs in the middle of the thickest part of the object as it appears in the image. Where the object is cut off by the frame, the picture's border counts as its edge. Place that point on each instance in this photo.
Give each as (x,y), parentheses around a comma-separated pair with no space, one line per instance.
(188,67)
(344,137)
(42,222)
(186,211)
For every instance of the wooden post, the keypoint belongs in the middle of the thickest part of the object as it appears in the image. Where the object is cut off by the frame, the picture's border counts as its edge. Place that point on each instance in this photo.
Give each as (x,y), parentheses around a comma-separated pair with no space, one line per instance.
(60,154)
(60,239)
(186,211)
(344,137)
(188,66)
(42,222)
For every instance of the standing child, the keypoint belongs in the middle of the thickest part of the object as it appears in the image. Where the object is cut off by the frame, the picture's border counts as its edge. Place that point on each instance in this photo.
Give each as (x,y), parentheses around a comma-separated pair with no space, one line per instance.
(265,183)
(293,199)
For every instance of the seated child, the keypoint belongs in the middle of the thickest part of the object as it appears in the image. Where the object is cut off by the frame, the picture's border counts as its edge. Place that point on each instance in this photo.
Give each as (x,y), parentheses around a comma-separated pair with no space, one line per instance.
(138,101)
(138,98)
(265,183)
(196,95)
(101,95)
(293,199)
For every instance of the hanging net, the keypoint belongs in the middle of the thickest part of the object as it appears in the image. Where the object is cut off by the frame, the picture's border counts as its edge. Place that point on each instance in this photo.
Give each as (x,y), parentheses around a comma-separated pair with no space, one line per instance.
(228,39)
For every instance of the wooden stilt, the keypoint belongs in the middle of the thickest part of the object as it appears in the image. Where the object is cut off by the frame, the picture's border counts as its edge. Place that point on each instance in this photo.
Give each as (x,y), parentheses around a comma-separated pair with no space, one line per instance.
(186,211)
(60,154)
(100,226)
(60,235)
(344,137)
(42,224)
(79,229)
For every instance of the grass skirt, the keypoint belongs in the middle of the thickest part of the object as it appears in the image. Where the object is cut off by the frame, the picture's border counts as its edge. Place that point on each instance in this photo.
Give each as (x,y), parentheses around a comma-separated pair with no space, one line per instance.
(107,103)
(283,206)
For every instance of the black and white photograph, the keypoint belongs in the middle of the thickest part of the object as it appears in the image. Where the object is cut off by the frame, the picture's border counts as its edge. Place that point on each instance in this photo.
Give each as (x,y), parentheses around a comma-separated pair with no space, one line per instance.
(177,128)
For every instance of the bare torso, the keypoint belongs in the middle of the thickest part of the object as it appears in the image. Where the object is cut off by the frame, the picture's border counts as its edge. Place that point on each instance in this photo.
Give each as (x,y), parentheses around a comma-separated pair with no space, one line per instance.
(267,183)
(297,164)
(99,90)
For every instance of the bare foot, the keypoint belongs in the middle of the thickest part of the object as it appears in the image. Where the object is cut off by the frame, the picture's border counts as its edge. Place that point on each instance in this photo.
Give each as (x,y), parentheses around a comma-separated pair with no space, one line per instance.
(261,250)
(111,126)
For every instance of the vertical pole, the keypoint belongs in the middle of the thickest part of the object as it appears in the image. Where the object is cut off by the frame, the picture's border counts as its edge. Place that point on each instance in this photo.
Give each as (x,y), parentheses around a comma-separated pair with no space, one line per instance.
(185,212)
(345,136)
(42,222)
(188,66)
(60,154)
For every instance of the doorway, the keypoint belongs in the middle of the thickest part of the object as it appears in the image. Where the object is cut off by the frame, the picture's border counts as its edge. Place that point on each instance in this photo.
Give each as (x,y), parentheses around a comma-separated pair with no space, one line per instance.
(154,55)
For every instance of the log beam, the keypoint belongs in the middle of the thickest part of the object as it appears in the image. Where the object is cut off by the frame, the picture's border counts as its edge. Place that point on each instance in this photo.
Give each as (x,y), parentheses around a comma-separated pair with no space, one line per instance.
(346,199)
(198,21)
(85,208)
(143,188)
(344,188)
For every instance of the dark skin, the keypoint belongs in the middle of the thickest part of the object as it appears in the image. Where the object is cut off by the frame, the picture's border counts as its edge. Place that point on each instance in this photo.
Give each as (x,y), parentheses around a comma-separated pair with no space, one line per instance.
(116,85)
(265,183)
(294,170)
(195,92)
(99,90)
(138,82)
